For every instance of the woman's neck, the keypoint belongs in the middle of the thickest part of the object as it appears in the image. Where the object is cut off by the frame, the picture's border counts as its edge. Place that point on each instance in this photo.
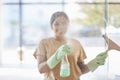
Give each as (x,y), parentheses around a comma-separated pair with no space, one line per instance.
(60,38)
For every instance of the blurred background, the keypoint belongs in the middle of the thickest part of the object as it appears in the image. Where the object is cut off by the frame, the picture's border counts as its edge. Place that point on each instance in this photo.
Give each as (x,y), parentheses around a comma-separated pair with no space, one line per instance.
(23,23)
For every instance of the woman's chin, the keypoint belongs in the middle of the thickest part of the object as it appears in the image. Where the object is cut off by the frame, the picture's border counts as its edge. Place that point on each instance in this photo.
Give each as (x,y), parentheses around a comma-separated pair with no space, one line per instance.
(60,35)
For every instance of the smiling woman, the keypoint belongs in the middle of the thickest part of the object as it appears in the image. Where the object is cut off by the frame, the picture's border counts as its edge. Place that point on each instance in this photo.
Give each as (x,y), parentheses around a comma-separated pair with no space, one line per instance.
(47,49)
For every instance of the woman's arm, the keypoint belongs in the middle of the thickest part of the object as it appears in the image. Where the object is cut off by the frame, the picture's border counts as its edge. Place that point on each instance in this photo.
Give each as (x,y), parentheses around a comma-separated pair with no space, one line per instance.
(94,63)
(42,66)
(84,68)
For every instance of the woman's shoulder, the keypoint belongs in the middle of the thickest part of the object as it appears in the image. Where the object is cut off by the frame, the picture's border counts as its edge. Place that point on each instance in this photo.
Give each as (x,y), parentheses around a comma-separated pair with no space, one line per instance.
(74,40)
(46,40)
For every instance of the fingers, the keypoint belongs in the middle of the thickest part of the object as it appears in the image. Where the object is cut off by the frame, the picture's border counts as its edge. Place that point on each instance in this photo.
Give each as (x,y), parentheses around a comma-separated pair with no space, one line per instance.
(102,55)
(101,59)
(66,48)
(101,62)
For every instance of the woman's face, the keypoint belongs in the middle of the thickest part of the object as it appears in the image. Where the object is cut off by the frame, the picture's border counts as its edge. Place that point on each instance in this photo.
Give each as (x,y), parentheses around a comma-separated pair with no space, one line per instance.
(60,26)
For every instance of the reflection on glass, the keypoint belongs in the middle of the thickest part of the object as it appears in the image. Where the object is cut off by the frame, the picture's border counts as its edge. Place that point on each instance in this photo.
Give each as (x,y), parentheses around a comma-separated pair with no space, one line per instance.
(36,23)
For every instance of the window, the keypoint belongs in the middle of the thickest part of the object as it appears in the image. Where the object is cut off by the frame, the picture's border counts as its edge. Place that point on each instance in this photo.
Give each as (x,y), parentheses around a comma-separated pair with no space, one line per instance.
(27,21)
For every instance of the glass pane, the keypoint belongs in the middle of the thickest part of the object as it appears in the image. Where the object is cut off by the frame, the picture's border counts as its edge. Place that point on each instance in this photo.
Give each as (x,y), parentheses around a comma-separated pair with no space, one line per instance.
(11,25)
(10,1)
(41,1)
(113,31)
(36,23)
(114,15)
(113,27)
(10,33)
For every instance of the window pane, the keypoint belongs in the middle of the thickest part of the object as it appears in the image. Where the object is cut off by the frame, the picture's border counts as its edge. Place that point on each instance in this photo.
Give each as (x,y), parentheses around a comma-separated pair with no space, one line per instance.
(10,34)
(113,31)
(114,15)
(42,1)
(36,23)
(11,1)
(11,28)
(114,18)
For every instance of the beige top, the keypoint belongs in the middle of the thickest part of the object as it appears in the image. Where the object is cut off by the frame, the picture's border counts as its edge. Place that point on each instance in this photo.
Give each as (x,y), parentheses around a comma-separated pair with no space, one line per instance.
(48,47)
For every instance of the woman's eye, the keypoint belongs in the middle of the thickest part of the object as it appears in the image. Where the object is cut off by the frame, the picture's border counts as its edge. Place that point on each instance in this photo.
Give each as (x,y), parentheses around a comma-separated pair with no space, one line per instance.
(56,23)
(60,23)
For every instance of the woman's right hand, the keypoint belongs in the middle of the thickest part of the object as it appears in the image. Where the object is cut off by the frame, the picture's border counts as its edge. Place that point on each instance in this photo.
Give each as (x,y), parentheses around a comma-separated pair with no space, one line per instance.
(58,55)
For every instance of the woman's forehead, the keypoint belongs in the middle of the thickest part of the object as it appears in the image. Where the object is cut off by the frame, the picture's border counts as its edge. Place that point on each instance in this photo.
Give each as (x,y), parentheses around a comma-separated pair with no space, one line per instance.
(61,18)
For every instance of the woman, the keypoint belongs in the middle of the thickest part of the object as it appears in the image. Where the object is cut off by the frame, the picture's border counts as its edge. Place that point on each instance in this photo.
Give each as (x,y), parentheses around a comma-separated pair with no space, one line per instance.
(47,48)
